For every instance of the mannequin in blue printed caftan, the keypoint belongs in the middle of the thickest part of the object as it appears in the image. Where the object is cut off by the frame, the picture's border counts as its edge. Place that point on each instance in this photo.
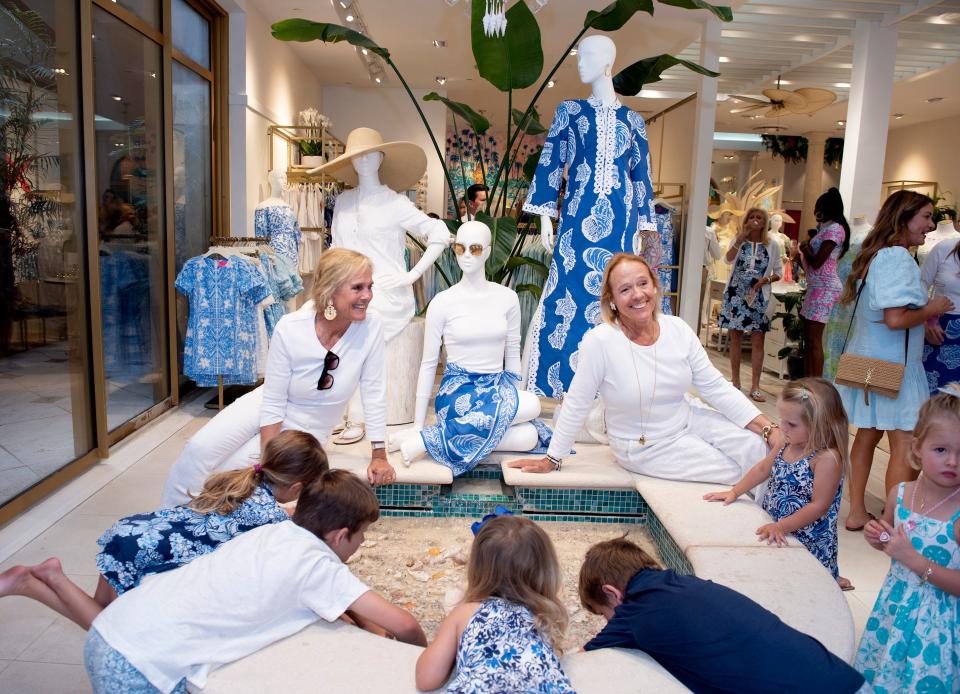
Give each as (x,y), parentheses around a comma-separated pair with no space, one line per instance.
(608,202)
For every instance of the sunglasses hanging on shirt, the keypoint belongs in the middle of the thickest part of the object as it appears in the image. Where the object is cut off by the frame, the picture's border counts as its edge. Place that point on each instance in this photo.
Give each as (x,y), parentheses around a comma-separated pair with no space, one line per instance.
(330,362)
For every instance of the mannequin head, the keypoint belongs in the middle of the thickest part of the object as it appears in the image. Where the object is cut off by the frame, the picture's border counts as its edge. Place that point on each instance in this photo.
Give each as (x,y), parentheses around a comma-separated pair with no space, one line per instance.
(776,223)
(595,58)
(278,180)
(470,236)
(367,164)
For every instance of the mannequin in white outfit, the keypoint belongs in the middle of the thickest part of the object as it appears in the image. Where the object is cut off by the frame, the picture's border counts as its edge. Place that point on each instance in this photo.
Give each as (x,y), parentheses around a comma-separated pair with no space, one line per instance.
(945,230)
(373,219)
(595,58)
(479,324)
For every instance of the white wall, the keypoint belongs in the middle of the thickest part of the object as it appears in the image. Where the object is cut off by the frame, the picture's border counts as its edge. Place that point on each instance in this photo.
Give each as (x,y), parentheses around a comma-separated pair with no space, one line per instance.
(925,152)
(268,86)
(673,135)
(390,111)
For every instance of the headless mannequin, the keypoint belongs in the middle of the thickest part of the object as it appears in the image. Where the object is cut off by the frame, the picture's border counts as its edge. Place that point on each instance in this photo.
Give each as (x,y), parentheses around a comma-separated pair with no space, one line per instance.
(483,302)
(278,181)
(595,58)
(945,230)
(386,279)
(776,227)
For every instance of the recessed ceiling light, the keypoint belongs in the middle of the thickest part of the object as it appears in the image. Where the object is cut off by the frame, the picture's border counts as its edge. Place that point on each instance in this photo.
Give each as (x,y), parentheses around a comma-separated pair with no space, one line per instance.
(573,51)
(59,71)
(841,123)
(117,97)
(349,17)
(550,84)
(377,80)
(934,99)
(898,116)
(728,157)
(785,83)
(365,51)
(439,44)
(842,85)
(345,3)
(441,79)
(724,59)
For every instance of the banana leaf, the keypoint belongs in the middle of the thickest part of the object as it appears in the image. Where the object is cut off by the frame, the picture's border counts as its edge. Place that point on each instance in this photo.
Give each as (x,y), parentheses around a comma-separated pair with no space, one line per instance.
(534,289)
(534,264)
(305,30)
(503,232)
(513,61)
(723,12)
(616,14)
(630,80)
(477,122)
(530,125)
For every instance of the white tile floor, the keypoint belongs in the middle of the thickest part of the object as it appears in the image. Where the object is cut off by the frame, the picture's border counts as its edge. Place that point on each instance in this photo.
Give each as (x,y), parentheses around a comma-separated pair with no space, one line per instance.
(41,652)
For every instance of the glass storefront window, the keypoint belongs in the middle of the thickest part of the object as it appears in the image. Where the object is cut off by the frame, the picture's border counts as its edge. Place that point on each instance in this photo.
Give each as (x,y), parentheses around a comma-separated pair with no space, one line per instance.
(147,10)
(128,100)
(191,33)
(46,406)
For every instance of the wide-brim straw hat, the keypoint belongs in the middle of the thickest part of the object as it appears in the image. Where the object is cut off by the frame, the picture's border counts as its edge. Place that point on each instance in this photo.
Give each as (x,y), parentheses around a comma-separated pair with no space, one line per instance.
(403,162)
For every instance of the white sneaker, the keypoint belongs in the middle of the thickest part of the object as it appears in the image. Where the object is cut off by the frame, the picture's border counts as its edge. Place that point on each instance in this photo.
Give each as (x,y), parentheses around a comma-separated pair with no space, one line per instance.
(352,432)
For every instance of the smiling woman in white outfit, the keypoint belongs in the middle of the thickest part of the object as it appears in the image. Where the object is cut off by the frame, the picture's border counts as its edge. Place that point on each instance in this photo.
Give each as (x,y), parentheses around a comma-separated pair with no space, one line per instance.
(317,359)
(643,365)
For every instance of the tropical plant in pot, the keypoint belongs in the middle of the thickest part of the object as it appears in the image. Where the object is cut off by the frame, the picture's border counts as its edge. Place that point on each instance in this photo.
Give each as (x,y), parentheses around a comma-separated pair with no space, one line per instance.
(511,61)
(795,329)
(311,147)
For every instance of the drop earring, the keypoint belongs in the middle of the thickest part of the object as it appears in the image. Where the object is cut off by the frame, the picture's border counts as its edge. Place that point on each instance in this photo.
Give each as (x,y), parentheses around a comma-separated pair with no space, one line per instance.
(606,71)
(613,307)
(330,312)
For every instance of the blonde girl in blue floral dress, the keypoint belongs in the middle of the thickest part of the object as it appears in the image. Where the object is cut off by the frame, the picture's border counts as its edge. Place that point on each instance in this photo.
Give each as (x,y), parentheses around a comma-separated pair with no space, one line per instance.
(912,638)
(500,638)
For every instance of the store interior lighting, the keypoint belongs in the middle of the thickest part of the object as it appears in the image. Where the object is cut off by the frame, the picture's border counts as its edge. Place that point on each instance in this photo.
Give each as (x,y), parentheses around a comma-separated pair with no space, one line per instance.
(349,11)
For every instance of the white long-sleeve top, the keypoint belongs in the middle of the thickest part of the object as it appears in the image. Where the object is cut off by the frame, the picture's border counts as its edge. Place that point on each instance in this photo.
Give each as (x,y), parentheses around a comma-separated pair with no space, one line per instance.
(606,365)
(480,329)
(941,271)
(294,366)
(376,225)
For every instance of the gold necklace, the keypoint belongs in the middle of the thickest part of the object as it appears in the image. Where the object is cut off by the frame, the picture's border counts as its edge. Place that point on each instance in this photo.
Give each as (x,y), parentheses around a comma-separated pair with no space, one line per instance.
(923,501)
(653,393)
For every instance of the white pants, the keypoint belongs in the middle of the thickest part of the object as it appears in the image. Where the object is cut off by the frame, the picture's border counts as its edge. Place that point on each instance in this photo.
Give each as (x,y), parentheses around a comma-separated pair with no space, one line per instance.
(710,448)
(229,441)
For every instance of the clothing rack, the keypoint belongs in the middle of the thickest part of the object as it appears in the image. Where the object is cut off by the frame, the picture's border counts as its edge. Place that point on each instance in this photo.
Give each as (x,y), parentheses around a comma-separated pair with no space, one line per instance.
(676,195)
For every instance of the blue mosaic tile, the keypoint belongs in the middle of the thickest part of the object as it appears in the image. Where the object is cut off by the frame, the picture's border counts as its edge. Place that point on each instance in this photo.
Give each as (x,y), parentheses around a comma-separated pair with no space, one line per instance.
(670,553)
(594,501)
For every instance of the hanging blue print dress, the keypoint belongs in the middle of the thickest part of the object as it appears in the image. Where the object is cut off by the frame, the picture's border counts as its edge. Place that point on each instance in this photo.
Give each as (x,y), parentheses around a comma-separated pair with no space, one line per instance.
(279,222)
(608,201)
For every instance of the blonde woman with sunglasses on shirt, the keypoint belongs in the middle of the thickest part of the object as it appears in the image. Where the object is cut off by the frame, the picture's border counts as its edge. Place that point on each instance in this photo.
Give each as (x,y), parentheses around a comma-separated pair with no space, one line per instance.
(318,357)
(479,407)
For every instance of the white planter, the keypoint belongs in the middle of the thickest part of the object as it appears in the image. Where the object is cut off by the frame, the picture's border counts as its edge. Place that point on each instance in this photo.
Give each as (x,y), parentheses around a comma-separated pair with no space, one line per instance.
(312,161)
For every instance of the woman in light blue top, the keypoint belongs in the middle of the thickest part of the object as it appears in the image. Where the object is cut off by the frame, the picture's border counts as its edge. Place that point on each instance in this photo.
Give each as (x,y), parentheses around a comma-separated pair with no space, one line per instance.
(890,308)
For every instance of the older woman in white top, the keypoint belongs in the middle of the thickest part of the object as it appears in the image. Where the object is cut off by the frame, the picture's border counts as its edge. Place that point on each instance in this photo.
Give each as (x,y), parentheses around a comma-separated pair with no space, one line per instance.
(643,363)
(318,357)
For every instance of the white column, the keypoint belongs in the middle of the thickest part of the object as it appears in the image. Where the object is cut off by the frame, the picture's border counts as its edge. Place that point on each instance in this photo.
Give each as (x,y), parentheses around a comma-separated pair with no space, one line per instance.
(812,180)
(706,106)
(868,114)
(237,118)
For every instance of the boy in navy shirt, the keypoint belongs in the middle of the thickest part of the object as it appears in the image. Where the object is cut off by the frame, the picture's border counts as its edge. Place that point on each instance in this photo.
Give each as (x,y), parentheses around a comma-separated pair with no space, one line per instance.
(709,637)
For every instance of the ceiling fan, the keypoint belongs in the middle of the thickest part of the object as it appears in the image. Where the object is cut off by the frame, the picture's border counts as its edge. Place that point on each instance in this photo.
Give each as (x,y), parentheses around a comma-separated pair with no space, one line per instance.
(784,102)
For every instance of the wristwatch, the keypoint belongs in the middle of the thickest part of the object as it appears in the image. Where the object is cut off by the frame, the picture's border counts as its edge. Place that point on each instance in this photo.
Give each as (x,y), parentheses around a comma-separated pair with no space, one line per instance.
(377,445)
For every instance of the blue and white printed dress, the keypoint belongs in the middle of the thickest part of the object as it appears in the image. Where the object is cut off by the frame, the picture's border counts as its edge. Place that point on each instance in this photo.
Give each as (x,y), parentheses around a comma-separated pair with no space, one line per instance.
(279,222)
(222,329)
(607,203)
(151,543)
(790,489)
(501,651)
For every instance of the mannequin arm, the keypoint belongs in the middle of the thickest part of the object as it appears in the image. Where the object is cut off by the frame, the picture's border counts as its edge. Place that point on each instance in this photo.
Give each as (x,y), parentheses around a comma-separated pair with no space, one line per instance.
(430,255)
(511,357)
(432,337)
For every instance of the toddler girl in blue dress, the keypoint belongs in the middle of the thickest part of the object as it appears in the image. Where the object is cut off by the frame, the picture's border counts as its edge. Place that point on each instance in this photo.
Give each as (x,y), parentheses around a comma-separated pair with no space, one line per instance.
(805,477)
(231,503)
(500,638)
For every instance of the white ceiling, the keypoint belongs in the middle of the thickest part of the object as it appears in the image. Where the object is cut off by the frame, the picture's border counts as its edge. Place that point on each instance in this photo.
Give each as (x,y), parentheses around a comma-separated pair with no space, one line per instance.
(808,42)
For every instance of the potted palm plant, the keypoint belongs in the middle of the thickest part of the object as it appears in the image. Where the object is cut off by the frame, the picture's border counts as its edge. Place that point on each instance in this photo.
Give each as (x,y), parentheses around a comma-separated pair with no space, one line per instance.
(795,329)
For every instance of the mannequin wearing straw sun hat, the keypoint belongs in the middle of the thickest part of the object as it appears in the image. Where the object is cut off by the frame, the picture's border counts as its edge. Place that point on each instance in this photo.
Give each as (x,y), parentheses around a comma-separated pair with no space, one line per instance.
(373,218)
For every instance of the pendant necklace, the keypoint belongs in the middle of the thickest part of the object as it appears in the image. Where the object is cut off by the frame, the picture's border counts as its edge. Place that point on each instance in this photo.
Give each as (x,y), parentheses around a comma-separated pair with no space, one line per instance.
(653,393)
(923,502)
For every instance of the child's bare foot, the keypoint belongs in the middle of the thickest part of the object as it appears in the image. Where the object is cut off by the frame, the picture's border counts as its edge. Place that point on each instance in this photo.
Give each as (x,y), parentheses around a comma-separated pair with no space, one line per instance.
(845,584)
(45,570)
(13,580)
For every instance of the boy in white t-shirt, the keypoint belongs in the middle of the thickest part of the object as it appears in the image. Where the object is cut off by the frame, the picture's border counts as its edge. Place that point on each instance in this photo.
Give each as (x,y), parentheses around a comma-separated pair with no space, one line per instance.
(256,589)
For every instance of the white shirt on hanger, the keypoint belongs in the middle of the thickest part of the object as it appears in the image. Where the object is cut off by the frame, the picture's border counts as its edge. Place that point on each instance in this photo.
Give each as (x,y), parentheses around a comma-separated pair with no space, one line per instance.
(941,271)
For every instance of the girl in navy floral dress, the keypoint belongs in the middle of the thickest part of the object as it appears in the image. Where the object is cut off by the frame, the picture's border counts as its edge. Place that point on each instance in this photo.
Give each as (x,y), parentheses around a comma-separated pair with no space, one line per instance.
(806,475)
(500,639)
(148,543)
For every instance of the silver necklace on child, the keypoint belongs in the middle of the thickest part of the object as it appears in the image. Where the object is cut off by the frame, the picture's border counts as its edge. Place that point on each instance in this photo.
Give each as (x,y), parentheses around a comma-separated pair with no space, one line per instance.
(653,393)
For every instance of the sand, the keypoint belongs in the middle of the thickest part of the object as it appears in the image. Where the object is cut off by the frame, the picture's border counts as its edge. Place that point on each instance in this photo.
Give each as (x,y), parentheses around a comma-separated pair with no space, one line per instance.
(420,563)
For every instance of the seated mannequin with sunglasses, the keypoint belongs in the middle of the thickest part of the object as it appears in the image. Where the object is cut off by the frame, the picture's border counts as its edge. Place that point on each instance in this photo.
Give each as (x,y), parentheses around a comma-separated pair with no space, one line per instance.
(479,407)
(317,359)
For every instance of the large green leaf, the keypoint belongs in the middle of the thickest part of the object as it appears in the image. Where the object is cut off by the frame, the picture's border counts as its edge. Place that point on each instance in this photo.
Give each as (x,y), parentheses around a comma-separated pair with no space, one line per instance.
(305,30)
(616,14)
(530,165)
(504,234)
(531,125)
(477,122)
(523,261)
(724,13)
(630,80)
(512,61)
(534,289)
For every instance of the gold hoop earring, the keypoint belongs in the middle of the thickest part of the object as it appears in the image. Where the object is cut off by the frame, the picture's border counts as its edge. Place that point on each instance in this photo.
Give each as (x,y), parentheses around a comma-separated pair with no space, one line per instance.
(330,312)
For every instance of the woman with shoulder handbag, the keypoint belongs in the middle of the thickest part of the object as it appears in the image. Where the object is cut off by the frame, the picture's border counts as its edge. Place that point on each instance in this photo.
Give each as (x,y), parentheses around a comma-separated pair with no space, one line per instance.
(880,376)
